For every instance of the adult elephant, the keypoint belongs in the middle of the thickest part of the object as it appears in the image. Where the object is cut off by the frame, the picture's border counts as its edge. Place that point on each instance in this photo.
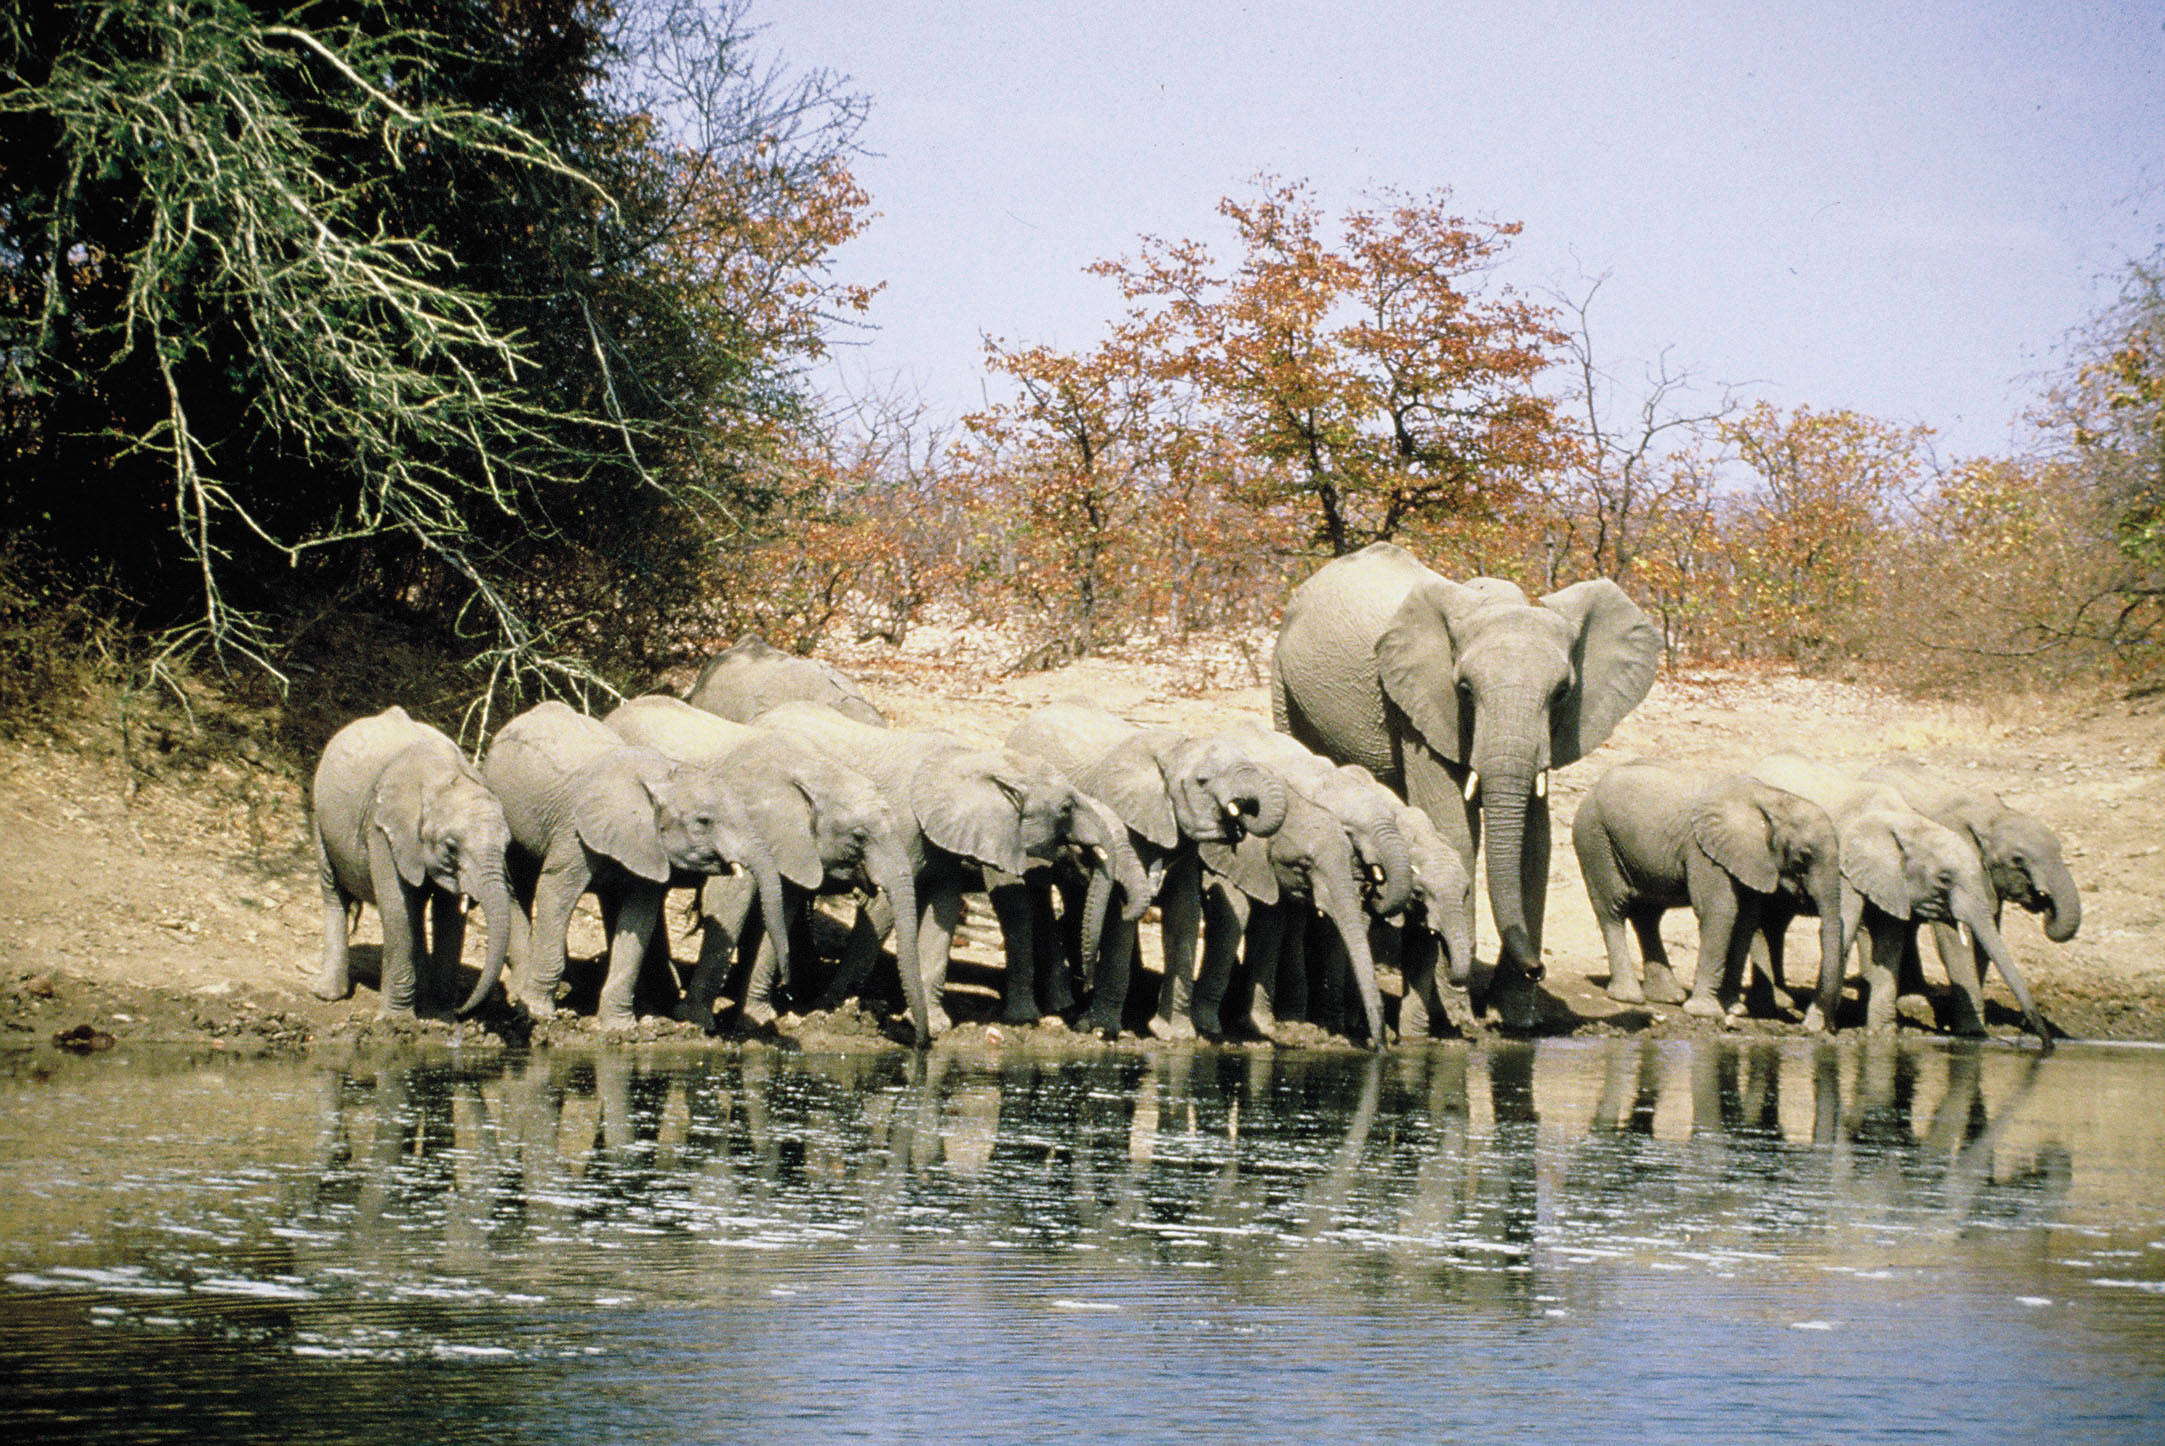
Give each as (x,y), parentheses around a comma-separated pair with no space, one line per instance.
(1461,697)
(2022,857)
(401,820)
(1901,869)
(1174,792)
(590,812)
(962,809)
(826,826)
(751,676)
(1653,836)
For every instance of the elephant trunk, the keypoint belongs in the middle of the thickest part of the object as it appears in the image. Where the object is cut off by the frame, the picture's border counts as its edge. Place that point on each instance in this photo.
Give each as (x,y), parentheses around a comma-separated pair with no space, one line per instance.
(1507,800)
(489,887)
(2063,906)
(1395,891)
(772,910)
(1258,795)
(1338,895)
(1097,904)
(887,866)
(1832,950)
(1457,937)
(1979,919)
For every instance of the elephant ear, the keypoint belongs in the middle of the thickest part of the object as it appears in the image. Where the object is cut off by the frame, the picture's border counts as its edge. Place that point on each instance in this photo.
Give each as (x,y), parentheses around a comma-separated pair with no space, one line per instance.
(1245,865)
(1615,652)
(1417,660)
(1732,830)
(1129,781)
(612,811)
(967,805)
(1873,861)
(396,814)
(783,812)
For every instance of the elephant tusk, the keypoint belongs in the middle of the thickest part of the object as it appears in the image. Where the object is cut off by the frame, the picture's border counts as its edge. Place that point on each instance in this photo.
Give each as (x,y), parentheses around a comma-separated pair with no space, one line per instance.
(1098,855)
(1541,784)
(1375,873)
(1473,784)
(1232,810)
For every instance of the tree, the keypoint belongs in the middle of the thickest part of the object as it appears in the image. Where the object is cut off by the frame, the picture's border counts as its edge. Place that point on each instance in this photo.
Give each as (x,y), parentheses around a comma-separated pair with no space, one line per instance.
(1379,385)
(1827,484)
(493,314)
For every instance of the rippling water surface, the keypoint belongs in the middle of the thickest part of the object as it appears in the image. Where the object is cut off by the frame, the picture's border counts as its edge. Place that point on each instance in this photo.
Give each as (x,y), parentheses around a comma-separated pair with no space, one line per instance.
(1612,1239)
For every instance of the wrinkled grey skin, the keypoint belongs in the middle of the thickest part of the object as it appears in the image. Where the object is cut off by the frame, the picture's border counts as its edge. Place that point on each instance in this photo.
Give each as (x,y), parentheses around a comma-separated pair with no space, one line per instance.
(1653,836)
(401,820)
(1461,697)
(1258,897)
(962,810)
(589,811)
(826,826)
(1368,810)
(1174,793)
(1900,869)
(2022,858)
(752,676)
(1438,926)
(1090,880)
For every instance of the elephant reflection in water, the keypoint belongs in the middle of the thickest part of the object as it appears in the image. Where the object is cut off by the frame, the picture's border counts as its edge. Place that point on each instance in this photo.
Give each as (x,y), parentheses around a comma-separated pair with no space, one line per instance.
(1859,1159)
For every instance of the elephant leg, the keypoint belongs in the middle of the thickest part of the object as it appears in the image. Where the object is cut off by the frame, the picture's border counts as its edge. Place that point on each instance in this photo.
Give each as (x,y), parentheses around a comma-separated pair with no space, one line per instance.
(860,952)
(1109,994)
(1756,992)
(1624,985)
(1418,1006)
(1056,941)
(638,911)
(401,910)
(1965,1013)
(1717,928)
(446,942)
(941,914)
(1014,905)
(1220,975)
(1180,908)
(334,979)
(725,910)
(1887,937)
(564,877)
(1661,982)
(1261,939)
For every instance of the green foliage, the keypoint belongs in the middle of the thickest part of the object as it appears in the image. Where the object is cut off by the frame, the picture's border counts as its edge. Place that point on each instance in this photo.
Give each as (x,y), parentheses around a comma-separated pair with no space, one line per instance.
(402,304)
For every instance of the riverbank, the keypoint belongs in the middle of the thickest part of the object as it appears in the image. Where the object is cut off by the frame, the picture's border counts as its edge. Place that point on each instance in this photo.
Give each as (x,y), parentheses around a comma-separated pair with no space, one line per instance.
(188,912)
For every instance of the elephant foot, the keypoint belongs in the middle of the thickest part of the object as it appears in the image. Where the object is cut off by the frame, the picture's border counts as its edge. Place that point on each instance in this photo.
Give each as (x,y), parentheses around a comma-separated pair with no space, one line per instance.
(332,984)
(937,1022)
(701,1013)
(1625,991)
(397,1014)
(1662,987)
(1021,1014)
(1104,1026)
(758,1012)
(615,1021)
(541,1006)
(1171,1028)
(1704,1006)
(1815,1019)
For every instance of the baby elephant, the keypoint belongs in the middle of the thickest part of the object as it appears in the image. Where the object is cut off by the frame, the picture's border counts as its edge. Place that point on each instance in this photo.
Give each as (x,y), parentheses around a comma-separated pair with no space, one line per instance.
(1654,836)
(401,819)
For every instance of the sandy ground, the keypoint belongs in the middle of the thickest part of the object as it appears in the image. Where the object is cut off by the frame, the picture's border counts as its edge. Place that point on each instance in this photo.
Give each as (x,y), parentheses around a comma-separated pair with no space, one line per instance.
(187,913)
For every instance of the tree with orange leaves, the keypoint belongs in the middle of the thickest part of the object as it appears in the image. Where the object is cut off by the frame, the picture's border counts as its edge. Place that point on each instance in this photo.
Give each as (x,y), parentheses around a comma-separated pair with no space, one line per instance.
(1369,370)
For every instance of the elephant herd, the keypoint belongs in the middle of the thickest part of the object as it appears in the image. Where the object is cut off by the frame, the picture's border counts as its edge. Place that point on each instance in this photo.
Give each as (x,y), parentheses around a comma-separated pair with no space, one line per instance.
(1417,720)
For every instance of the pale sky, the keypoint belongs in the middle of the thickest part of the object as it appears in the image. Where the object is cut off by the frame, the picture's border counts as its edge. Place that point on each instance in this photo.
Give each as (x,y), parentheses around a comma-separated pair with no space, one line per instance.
(1896,208)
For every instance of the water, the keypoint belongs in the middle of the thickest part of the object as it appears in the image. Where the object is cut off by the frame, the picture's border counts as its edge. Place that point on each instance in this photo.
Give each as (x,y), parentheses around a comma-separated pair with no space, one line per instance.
(1613,1239)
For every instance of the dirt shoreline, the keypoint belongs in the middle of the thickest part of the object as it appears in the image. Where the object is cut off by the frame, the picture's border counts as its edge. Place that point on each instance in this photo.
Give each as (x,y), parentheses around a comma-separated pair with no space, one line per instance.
(187,913)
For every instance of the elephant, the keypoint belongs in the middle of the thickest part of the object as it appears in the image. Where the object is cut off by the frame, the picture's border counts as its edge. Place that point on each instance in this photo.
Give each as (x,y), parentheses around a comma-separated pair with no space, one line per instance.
(1653,835)
(963,809)
(1258,897)
(1461,697)
(826,826)
(1089,879)
(1174,793)
(751,676)
(2021,855)
(1438,924)
(589,811)
(400,819)
(1899,869)
(1368,811)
